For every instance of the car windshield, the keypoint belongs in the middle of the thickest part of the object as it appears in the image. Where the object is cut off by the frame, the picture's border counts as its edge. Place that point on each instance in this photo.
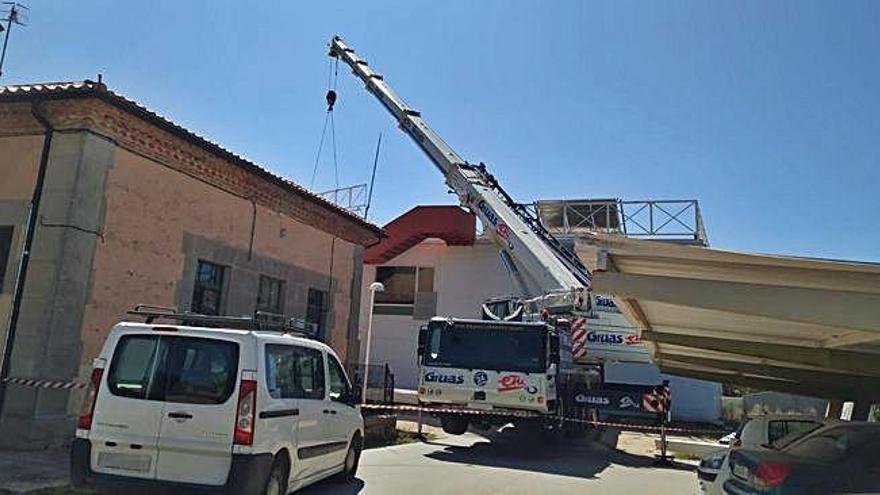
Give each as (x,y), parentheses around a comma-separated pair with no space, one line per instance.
(487,346)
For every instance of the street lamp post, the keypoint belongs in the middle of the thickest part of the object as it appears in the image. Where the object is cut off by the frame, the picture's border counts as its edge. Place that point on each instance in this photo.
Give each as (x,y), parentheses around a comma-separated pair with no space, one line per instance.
(374,288)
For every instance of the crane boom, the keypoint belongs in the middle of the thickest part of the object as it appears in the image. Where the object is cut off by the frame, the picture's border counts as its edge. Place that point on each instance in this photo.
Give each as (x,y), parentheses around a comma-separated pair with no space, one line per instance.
(542,265)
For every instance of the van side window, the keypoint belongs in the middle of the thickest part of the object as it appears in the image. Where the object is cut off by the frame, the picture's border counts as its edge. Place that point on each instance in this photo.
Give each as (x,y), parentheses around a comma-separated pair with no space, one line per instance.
(339,387)
(294,372)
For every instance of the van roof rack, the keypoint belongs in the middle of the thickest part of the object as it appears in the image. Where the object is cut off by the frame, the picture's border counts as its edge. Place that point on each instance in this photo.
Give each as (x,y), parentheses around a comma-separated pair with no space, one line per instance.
(260,321)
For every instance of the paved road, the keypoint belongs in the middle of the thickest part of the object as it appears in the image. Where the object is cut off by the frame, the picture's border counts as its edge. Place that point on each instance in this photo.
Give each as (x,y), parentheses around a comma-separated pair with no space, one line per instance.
(509,464)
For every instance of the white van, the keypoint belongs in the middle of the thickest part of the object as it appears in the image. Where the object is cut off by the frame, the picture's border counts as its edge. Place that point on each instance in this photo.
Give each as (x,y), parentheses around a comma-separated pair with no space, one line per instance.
(177,408)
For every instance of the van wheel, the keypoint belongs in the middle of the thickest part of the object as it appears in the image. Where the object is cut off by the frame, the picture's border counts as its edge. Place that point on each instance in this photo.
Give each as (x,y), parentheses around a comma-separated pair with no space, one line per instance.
(352,460)
(277,482)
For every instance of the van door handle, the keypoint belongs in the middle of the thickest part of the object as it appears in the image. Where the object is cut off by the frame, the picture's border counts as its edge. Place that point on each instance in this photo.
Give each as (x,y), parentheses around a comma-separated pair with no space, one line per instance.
(329,411)
(180,415)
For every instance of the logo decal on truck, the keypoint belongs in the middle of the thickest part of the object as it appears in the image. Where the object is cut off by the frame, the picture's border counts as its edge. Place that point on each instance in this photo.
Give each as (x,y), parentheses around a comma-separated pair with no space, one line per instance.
(591,399)
(501,229)
(509,383)
(434,377)
(480,378)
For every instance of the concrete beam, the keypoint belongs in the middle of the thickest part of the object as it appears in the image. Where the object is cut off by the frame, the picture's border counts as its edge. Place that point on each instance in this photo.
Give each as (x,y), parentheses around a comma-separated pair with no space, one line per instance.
(746,337)
(848,385)
(832,359)
(852,338)
(752,382)
(852,310)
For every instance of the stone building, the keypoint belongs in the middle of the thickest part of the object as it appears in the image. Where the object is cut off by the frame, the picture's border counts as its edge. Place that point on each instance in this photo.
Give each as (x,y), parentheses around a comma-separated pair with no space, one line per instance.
(132,208)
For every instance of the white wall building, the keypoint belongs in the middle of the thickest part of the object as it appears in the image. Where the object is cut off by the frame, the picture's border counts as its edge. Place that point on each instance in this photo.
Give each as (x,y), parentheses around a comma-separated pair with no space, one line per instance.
(433,264)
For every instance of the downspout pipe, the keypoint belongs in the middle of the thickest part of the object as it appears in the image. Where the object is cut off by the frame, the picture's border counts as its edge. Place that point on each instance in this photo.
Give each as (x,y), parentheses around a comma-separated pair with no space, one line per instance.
(9,344)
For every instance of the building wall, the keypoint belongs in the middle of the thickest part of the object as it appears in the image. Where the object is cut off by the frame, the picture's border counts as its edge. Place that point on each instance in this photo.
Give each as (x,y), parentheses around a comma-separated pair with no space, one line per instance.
(465,276)
(160,223)
(456,268)
(47,340)
(21,156)
(127,211)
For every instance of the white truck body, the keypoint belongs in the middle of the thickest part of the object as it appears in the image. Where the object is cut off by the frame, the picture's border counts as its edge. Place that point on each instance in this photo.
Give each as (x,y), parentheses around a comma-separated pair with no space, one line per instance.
(501,389)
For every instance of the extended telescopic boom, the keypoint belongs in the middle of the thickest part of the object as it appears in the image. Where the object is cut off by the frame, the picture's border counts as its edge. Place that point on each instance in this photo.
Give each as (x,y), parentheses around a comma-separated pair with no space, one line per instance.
(541,265)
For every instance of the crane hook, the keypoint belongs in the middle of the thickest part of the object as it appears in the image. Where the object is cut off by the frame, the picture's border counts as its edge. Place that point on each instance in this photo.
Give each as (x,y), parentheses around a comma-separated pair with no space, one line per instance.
(331,100)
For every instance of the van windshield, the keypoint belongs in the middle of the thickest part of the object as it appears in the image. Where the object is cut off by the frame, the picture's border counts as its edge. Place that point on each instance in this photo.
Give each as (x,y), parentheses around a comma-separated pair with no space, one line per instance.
(186,370)
(487,346)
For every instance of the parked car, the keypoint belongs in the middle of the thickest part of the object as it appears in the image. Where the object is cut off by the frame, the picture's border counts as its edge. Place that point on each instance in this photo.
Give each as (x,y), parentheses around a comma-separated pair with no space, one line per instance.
(753,433)
(839,458)
(710,466)
(225,410)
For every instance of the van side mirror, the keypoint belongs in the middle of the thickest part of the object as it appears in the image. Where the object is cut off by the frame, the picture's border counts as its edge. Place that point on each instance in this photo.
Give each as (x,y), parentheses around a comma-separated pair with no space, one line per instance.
(554,349)
(423,341)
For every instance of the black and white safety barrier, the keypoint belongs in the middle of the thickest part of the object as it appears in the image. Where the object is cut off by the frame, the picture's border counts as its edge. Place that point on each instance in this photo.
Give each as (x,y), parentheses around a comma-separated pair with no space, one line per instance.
(52,384)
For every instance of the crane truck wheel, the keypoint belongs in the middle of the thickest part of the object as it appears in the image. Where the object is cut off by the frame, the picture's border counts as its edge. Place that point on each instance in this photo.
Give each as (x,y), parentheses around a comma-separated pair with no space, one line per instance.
(454,424)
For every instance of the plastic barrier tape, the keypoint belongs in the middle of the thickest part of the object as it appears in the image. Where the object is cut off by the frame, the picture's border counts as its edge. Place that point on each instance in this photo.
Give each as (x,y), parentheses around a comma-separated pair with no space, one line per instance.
(525,414)
(55,384)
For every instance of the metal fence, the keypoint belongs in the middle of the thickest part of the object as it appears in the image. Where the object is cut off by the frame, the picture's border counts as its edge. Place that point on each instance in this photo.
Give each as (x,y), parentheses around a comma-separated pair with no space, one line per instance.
(670,220)
(380,387)
(352,198)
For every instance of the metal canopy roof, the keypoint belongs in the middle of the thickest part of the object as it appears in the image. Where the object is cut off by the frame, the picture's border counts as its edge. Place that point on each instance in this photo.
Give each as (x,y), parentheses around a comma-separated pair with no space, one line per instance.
(790,324)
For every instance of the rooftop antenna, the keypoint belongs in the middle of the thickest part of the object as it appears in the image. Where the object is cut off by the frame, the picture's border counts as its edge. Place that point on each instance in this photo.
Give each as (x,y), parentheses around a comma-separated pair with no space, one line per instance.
(373,177)
(17,15)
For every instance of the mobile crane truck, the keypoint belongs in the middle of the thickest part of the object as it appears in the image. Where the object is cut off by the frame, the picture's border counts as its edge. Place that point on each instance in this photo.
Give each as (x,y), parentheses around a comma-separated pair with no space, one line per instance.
(527,359)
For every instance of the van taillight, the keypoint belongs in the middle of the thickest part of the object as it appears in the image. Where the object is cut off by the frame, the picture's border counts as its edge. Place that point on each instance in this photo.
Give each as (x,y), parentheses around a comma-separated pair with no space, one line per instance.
(88,410)
(244,417)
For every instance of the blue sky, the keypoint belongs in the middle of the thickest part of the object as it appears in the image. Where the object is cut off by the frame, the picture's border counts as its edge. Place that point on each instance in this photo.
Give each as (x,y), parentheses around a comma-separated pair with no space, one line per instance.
(767,112)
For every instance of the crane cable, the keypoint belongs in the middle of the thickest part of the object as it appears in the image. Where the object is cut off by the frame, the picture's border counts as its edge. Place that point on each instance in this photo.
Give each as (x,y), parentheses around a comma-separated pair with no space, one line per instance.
(332,78)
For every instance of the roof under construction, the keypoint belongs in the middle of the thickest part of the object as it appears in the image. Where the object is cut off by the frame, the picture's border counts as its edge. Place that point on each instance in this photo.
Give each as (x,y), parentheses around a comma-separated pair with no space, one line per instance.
(798,325)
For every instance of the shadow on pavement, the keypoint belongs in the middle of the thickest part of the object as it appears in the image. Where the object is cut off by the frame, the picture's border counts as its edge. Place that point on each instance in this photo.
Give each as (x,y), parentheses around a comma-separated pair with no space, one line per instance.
(333,487)
(528,451)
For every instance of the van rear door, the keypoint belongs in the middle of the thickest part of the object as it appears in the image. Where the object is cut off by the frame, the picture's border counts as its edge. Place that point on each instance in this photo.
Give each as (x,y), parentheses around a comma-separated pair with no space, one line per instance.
(126,422)
(200,378)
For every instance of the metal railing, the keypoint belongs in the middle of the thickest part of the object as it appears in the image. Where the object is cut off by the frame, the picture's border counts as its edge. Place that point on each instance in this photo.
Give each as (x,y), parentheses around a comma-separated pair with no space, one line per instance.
(380,387)
(670,220)
(352,198)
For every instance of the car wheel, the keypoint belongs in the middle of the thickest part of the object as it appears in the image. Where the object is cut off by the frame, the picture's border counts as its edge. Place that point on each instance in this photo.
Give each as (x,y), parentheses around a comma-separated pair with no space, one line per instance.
(277,482)
(352,460)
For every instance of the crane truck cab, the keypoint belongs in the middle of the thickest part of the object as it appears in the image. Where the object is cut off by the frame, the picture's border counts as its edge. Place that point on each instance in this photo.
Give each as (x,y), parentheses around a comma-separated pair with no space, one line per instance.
(502,366)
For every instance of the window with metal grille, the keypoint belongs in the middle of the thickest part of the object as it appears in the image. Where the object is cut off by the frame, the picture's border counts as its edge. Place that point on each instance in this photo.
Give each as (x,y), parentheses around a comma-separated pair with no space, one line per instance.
(208,290)
(270,295)
(316,312)
(5,248)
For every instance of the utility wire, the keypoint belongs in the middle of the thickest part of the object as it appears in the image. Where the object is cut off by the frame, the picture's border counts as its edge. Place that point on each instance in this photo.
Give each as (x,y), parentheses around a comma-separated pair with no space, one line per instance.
(320,147)
(332,81)
(333,144)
